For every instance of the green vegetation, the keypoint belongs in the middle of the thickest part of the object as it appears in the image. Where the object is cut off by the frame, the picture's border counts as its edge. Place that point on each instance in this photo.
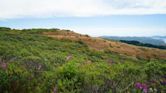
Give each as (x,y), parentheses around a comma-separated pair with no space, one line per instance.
(31,62)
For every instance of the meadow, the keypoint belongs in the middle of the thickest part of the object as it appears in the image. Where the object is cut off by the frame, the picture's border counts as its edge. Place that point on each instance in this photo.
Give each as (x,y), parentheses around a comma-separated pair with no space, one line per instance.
(33,61)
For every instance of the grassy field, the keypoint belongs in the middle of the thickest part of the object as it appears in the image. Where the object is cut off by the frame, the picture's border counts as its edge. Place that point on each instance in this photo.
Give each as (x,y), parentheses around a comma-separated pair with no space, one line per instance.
(61,61)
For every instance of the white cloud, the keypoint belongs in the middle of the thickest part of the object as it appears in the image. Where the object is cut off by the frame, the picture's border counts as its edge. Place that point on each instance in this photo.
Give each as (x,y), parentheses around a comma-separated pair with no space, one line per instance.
(50,8)
(124,31)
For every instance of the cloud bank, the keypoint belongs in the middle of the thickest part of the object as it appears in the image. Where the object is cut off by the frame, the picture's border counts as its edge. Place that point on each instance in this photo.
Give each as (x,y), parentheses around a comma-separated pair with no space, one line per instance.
(123,31)
(79,8)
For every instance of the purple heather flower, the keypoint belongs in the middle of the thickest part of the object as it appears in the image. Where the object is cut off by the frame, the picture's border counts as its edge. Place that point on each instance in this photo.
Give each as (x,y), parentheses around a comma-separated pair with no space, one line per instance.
(138,85)
(55,90)
(144,86)
(141,86)
(145,90)
(3,66)
(163,82)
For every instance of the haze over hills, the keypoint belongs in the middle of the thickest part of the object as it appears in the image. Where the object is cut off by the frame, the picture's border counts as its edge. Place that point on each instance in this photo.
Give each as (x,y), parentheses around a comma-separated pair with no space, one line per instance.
(155,40)
(160,38)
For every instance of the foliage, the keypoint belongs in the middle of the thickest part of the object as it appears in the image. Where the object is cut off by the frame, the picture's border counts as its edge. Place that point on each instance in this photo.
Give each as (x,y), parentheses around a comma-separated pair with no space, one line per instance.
(33,63)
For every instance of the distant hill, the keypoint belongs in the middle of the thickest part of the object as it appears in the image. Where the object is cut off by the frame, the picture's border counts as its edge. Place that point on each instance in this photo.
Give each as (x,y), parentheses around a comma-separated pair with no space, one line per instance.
(137,43)
(150,40)
(163,38)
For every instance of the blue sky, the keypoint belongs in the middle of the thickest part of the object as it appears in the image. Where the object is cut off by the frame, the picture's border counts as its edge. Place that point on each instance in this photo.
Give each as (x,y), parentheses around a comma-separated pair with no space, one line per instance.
(93,17)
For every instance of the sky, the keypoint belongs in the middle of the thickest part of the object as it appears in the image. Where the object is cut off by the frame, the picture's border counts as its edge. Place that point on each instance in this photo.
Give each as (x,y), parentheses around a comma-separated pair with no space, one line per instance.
(92,17)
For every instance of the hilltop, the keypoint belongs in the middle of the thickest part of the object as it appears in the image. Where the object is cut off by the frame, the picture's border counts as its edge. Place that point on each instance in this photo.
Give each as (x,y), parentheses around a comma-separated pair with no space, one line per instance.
(108,45)
(62,61)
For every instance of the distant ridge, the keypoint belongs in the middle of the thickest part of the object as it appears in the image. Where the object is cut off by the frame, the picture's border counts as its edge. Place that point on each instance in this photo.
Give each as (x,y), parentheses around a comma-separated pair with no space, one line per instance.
(155,40)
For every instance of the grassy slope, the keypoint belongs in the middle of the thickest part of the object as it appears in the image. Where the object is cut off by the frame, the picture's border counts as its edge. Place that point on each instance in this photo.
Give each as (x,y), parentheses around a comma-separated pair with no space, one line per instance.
(113,46)
(31,61)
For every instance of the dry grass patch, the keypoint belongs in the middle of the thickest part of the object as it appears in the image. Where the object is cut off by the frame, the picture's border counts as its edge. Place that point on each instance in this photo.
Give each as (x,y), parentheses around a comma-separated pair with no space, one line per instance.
(117,47)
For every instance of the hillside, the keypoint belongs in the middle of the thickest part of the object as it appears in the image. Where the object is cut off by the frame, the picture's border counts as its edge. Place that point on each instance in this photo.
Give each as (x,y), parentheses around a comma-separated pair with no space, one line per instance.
(62,61)
(112,46)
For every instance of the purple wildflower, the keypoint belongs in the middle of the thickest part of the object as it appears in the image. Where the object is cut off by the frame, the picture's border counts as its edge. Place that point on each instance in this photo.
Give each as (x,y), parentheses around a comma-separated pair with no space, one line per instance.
(142,87)
(138,85)
(55,90)
(3,66)
(145,88)
(163,82)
